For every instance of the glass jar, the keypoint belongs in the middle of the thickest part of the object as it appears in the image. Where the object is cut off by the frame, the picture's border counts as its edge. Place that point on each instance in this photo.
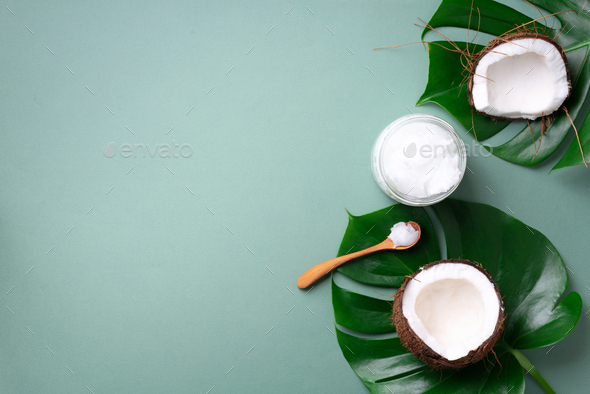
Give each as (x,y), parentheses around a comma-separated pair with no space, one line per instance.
(377,161)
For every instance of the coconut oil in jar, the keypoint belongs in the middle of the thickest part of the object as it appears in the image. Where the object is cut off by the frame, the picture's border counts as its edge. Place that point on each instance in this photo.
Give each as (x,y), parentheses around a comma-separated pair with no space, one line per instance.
(419,160)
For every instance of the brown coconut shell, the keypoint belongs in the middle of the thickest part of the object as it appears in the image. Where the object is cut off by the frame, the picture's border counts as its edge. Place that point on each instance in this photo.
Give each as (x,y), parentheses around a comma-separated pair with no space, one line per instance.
(502,40)
(420,349)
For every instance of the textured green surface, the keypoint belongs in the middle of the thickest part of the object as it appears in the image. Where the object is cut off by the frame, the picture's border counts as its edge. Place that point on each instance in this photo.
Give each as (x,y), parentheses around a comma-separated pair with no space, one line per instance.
(150,292)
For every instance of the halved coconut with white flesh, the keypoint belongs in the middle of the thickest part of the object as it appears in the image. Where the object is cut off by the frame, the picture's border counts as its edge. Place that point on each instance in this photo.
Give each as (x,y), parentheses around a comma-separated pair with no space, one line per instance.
(449,313)
(520,76)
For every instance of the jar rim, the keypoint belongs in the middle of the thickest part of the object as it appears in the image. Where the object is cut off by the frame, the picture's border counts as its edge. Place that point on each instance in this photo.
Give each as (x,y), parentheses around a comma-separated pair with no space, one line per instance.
(377,155)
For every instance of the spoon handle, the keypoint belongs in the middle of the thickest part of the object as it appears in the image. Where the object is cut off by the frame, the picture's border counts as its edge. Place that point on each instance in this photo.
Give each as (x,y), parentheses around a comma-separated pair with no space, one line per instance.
(314,273)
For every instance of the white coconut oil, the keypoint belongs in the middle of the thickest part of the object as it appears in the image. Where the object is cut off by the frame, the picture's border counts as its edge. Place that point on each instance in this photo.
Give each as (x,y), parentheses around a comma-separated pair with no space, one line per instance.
(419,159)
(403,234)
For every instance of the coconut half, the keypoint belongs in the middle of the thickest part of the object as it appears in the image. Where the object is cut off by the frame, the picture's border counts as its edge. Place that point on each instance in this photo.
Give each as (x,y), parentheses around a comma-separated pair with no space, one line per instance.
(449,313)
(521,76)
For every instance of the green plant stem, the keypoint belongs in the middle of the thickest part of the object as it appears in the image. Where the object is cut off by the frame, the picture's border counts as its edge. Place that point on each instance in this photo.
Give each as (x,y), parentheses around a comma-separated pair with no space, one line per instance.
(530,368)
(577,46)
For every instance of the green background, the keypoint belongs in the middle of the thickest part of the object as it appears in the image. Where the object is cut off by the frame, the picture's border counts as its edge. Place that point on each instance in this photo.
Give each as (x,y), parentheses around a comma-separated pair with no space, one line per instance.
(179,274)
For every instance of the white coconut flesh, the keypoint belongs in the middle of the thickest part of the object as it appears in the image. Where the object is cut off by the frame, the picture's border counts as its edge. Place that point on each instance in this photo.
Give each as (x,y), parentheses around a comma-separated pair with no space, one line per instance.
(452,307)
(523,78)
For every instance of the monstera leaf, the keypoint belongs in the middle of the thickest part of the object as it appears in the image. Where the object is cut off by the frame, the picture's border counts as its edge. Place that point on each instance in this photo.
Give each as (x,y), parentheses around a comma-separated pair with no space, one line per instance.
(446,73)
(527,268)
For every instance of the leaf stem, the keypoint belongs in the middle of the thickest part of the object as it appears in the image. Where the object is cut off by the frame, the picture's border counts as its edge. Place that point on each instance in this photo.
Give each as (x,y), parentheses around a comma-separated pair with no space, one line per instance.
(577,46)
(530,368)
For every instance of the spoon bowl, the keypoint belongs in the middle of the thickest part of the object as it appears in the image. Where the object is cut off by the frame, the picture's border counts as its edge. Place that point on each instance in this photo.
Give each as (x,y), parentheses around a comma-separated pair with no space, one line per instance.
(416,227)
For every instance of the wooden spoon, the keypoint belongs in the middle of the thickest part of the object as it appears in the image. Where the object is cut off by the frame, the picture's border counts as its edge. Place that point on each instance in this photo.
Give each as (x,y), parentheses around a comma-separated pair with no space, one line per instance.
(314,273)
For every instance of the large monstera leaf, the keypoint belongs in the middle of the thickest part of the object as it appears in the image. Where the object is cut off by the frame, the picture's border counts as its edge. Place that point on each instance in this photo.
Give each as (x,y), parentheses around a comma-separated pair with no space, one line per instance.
(529,272)
(446,73)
